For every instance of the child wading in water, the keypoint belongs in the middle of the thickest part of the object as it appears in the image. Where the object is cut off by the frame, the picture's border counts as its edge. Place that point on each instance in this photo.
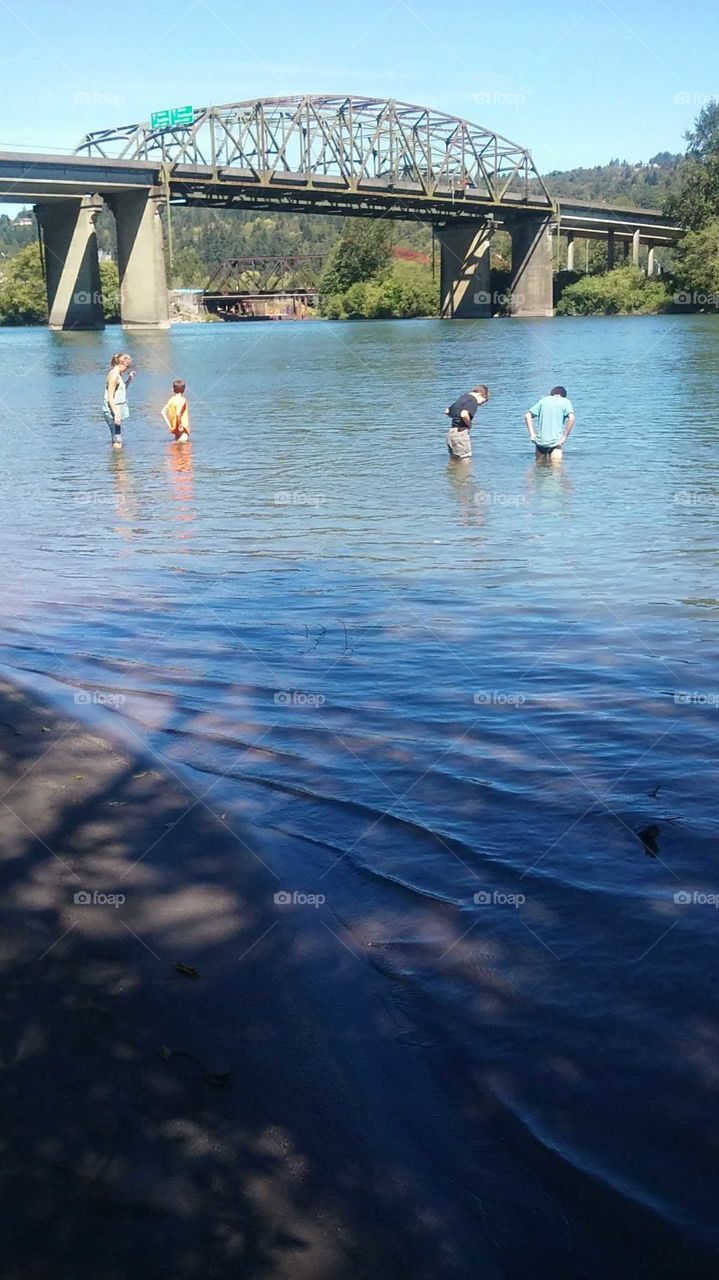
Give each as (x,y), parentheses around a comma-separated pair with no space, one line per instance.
(462,412)
(114,405)
(176,412)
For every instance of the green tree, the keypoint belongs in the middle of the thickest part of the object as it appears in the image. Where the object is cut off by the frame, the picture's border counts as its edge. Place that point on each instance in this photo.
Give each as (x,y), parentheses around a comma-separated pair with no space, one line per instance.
(697,201)
(13,236)
(624,291)
(354,301)
(22,288)
(405,290)
(110,289)
(188,269)
(362,252)
(333,307)
(697,259)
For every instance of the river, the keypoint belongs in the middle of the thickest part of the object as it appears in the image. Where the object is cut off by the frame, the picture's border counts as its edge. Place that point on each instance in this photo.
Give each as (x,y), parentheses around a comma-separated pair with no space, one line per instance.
(484,699)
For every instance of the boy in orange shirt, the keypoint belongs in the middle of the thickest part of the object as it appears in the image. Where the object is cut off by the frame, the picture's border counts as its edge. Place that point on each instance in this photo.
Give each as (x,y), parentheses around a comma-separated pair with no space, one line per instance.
(176,412)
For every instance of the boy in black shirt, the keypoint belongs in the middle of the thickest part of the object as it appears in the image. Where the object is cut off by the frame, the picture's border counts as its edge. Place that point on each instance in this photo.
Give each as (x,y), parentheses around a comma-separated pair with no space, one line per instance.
(462,412)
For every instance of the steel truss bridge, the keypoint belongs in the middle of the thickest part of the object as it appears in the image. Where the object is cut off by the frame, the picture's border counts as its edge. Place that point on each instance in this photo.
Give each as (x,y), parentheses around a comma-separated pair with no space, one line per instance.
(238,283)
(337,154)
(331,154)
(279,273)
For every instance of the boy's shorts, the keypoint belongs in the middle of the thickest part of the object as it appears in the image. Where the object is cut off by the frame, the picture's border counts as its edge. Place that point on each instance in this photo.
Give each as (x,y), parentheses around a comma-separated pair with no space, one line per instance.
(459,442)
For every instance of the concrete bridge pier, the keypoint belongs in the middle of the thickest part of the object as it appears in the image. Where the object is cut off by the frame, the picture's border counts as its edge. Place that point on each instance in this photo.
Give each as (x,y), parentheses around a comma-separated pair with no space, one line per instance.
(141,259)
(72,268)
(532,266)
(570,253)
(465,285)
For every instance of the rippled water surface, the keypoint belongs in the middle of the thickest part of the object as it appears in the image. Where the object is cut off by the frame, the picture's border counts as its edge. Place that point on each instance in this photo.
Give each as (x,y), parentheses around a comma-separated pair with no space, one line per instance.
(466,691)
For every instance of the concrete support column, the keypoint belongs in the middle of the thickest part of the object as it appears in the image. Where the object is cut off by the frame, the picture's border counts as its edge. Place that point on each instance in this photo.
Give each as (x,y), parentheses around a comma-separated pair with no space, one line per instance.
(570,253)
(650,261)
(635,248)
(72,268)
(610,249)
(531,265)
(465,286)
(141,259)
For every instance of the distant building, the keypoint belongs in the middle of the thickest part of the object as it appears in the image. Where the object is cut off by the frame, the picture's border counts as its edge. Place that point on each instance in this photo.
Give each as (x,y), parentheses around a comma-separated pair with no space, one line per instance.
(186,304)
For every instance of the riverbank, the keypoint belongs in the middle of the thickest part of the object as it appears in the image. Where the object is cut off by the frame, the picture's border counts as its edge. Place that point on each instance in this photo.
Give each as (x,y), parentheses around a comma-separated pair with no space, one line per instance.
(169,1092)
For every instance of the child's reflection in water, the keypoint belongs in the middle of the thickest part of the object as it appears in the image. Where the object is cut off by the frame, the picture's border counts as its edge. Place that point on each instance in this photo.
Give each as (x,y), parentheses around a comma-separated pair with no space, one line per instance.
(178,493)
(125,499)
(469,494)
(180,467)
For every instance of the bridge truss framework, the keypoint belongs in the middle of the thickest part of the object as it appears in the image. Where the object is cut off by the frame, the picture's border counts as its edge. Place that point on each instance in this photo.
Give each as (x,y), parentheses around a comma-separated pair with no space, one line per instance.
(354,152)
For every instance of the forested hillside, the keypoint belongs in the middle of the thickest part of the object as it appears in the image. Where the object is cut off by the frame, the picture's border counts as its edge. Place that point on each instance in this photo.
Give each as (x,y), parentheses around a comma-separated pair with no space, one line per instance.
(14,236)
(644,186)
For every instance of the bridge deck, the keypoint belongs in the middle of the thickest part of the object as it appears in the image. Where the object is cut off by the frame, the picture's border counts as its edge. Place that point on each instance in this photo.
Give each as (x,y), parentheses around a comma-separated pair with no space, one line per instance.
(39,178)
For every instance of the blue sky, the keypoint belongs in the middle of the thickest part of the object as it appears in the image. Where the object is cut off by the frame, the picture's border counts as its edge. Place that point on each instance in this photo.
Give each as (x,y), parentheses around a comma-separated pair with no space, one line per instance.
(575,84)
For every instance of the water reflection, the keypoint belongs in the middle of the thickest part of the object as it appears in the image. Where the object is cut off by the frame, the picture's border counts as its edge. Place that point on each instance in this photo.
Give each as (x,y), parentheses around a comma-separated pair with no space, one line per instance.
(123,487)
(179,465)
(467,492)
(549,480)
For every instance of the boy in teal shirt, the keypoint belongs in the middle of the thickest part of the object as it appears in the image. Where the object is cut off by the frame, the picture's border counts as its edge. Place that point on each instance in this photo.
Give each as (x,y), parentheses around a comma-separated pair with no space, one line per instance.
(554,416)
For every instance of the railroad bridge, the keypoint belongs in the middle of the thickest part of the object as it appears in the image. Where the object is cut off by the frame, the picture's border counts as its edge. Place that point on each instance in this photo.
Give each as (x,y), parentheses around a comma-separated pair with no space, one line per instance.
(238,286)
(338,155)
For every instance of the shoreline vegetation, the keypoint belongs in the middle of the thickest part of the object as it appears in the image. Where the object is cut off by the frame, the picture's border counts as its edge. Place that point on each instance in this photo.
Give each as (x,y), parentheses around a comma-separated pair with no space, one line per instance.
(407,289)
(376,271)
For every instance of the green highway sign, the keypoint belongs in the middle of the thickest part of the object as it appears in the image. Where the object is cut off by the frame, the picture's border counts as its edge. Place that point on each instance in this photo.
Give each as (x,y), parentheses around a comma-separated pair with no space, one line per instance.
(182,115)
(174,116)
